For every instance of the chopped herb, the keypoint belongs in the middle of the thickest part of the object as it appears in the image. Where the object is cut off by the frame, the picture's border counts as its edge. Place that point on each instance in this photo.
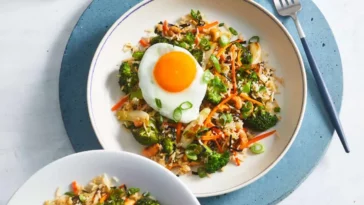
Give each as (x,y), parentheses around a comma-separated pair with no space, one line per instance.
(133,190)
(233,31)
(221,24)
(198,54)
(138,55)
(277,109)
(189,38)
(158,102)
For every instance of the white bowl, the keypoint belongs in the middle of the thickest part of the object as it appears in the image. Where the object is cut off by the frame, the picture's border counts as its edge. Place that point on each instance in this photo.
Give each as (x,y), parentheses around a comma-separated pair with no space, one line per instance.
(131,169)
(246,17)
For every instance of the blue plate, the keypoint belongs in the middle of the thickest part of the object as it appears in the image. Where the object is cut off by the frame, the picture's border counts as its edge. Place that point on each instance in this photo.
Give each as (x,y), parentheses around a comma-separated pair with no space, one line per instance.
(309,146)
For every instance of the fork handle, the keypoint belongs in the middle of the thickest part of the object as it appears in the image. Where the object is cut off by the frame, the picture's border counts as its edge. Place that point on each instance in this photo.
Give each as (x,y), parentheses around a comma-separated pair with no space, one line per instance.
(325,96)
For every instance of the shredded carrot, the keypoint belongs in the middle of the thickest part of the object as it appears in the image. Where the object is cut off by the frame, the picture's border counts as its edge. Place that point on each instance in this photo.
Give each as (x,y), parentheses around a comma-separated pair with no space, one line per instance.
(151,150)
(197,39)
(209,137)
(260,137)
(75,187)
(233,73)
(239,58)
(178,132)
(222,59)
(169,124)
(207,26)
(246,97)
(144,42)
(138,123)
(103,198)
(218,145)
(237,161)
(120,103)
(208,122)
(165,27)
(222,50)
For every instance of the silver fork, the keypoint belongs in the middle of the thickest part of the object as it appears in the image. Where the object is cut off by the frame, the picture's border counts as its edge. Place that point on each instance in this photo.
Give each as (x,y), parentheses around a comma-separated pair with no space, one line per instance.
(291,8)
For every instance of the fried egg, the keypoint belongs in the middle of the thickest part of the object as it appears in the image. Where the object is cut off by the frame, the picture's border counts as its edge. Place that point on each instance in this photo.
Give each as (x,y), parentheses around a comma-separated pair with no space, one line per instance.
(170,76)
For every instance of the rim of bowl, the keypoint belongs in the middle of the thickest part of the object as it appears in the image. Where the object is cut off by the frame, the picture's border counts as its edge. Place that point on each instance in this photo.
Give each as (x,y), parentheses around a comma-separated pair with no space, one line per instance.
(303,75)
(109,152)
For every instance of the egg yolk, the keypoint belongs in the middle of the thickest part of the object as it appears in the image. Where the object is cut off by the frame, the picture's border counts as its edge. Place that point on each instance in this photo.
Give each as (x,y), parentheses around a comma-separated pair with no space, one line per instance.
(175,71)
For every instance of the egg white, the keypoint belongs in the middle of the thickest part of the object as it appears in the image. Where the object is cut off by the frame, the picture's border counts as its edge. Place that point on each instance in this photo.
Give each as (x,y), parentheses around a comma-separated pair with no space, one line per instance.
(170,101)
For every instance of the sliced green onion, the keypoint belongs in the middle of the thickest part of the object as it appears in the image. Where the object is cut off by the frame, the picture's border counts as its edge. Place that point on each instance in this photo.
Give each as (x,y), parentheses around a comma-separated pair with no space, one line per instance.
(136,94)
(183,45)
(177,114)
(189,38)
(133,190)
(221,24)
(262,88)
(257,148)
(192,151)
(82,198)
(205,44)
(216,63)
(201,172)
(146,194)
(207,48)
(233,31)
(207,76)
(254,39)
(196,15)
(158,102)
(138,55)
(246,88)
(226,118)
(69,193)
(277,109)
(223,40)
(186,105)
(254,76)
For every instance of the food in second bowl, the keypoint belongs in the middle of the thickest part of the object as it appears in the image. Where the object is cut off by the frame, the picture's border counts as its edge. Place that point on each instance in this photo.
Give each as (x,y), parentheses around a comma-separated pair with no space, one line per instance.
(197,95)
(103,191)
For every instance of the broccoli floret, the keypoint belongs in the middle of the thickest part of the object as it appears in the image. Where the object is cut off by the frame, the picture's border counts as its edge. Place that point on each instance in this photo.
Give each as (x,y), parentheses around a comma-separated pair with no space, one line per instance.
(147,201)
(214,90)
(168,145)
(216,161)
(146,136)
(159,39)
(198,54)
(261,121)
(128,78)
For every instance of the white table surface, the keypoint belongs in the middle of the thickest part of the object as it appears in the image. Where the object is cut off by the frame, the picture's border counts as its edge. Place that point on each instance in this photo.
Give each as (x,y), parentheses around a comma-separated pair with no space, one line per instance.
(33,36)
